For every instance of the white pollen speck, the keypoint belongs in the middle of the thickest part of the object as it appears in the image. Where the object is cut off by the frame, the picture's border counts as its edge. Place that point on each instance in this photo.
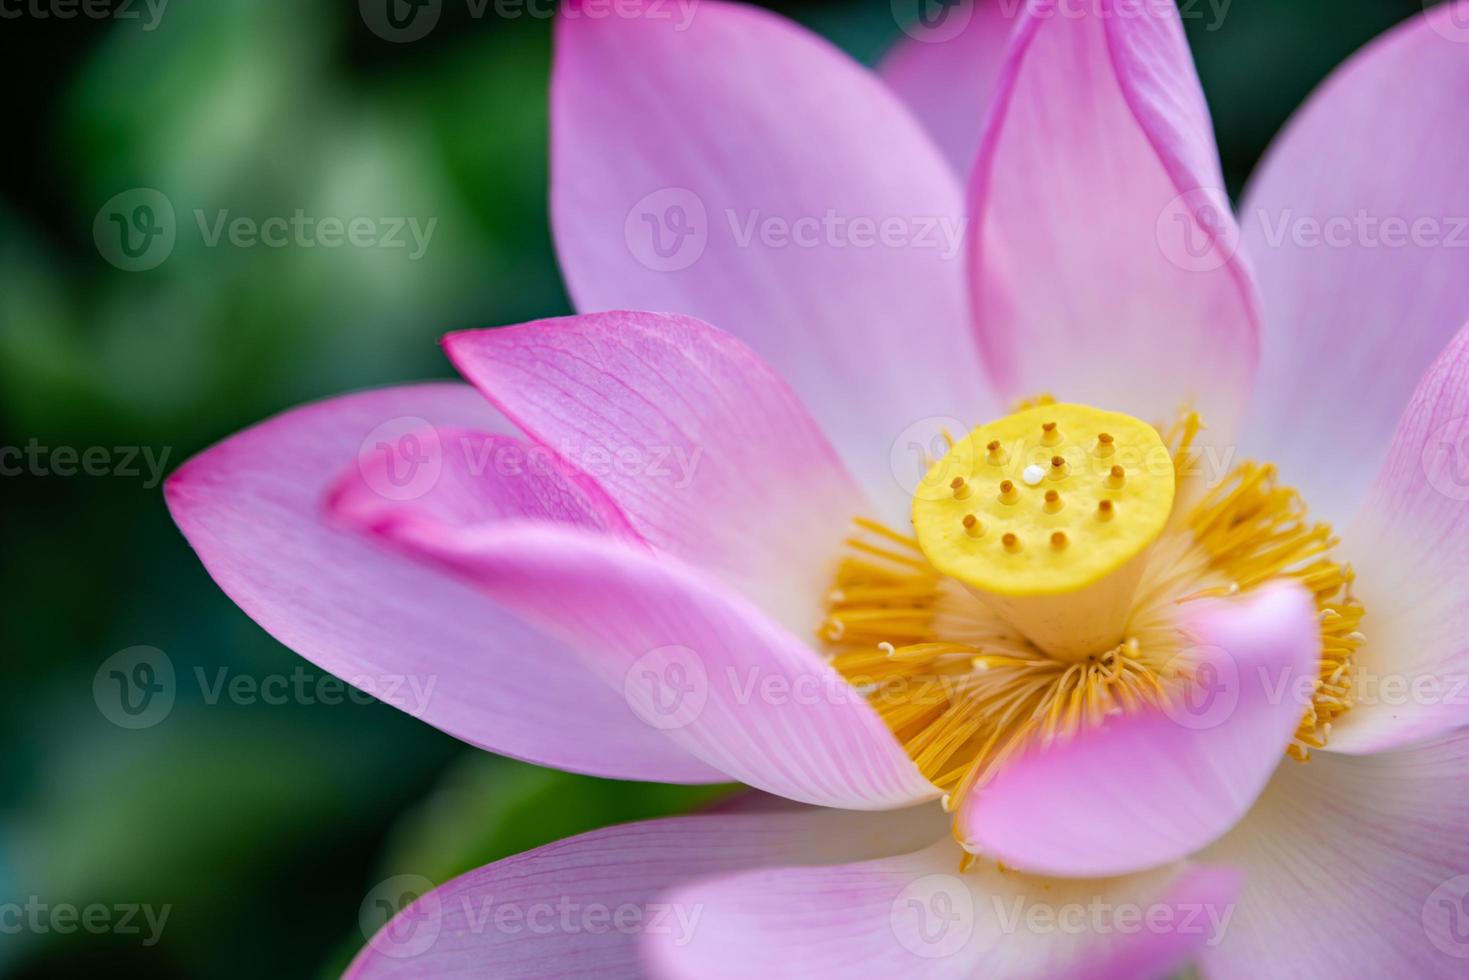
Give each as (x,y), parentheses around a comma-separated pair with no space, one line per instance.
(1033,475)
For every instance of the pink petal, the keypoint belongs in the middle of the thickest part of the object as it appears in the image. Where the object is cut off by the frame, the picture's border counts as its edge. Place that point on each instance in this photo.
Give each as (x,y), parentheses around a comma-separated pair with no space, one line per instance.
(1410,548)
(1104,263)
(712,456)
(946,72)
(252,507)
(610,884)
(1355,319)
(914,915)
(824,227)
(693,658)
(1154,786)
(1354,867)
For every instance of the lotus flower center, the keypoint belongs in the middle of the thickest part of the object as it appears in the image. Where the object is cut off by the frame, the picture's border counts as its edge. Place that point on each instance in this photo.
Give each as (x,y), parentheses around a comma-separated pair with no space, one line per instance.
(1047,516)
(1054,557)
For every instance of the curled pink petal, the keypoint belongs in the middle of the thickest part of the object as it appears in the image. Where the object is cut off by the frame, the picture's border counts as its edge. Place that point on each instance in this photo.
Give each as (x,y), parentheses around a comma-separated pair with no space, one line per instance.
(712,456)
(253,508)
(1154,786)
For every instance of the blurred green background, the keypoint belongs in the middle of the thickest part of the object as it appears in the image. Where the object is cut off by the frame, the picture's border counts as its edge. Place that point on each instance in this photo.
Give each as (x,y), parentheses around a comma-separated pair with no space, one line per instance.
(262,827)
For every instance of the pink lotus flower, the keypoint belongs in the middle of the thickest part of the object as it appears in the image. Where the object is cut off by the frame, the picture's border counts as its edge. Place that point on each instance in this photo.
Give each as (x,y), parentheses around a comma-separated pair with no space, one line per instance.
(1153,700)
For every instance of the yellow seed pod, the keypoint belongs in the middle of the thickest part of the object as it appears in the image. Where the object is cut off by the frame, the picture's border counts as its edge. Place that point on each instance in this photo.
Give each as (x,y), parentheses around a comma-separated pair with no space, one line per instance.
(1047,478)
